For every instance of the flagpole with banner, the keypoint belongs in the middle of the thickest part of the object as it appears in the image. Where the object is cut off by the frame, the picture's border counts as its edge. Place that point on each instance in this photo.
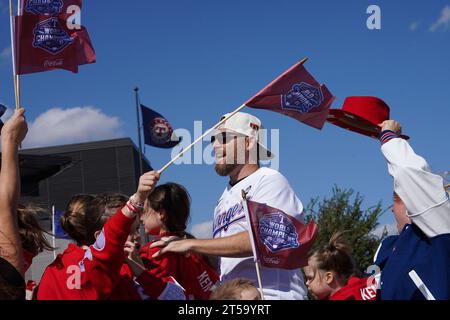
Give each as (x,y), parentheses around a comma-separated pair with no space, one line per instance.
(136,90)
(208,131)
(250,231)
(53,232)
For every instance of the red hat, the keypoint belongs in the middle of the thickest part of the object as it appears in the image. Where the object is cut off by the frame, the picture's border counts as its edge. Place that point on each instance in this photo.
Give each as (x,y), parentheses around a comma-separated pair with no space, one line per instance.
(362,115)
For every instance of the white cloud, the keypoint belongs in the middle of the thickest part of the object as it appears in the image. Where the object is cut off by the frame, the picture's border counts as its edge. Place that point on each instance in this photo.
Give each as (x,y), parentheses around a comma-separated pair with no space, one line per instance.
(64,126)
(202,230)
(391,229)
(443,22)
(413,26)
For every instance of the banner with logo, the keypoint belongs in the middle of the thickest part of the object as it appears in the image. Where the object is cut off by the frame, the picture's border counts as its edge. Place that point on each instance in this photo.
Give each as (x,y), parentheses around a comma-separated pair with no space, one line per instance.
(297,94)
(278,239)
(157,130)
(49,36)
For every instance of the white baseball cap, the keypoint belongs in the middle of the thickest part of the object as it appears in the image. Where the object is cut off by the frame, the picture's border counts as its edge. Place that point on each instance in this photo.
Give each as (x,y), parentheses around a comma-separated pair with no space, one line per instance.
(250,126)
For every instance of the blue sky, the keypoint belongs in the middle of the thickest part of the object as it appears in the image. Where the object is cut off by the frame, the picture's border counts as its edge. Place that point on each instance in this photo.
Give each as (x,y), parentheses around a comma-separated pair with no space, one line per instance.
(198,59)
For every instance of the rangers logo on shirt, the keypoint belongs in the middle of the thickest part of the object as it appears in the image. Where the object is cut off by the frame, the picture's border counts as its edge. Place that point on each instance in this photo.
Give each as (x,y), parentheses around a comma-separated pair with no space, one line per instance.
(303,97)
(161,130)
(44,7)
(277,232)
(50,36)
(223,220)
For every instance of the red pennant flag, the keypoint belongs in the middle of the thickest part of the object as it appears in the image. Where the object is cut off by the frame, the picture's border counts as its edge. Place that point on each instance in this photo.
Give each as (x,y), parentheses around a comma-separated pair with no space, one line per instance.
(279,240)
(46,37)
(297,94)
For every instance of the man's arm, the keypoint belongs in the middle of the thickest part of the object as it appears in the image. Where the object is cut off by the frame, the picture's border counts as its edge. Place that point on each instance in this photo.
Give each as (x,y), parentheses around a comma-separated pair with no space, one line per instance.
(12,134)
(235,246)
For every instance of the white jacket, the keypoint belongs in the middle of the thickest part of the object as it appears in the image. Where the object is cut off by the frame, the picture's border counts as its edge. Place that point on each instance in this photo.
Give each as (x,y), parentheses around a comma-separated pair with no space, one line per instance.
(423,193)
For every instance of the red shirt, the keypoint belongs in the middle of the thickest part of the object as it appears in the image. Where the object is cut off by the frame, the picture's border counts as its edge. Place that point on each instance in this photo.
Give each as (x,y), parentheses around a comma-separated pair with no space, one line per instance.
(356,289)
(190,270)
(92,274)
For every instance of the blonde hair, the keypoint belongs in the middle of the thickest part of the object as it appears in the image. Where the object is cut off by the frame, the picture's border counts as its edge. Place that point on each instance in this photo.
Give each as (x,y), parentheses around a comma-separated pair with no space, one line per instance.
(232,290)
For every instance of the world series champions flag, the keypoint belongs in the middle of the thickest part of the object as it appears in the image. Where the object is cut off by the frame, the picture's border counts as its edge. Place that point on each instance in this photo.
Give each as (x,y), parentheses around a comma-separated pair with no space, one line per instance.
(278,239)
(297,94)
(48,36)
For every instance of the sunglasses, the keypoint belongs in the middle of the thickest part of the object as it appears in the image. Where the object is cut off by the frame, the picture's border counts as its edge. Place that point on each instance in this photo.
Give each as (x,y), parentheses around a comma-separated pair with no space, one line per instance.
(225,137)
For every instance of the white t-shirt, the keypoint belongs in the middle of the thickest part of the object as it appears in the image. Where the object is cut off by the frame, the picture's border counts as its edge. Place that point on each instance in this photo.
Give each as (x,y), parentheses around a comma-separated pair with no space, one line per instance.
(264,186)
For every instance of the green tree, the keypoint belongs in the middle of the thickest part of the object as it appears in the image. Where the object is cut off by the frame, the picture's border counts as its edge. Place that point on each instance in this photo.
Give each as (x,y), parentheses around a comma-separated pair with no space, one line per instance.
(344,212)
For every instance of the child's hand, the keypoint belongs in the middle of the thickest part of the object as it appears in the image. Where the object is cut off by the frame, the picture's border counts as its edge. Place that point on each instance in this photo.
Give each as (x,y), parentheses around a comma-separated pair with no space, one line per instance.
(132,251)
(15,129)
(391,125)
(147,183)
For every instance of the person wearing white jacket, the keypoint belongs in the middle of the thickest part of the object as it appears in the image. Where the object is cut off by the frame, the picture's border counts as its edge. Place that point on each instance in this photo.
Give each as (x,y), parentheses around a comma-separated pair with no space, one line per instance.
(416,263)
(421,191)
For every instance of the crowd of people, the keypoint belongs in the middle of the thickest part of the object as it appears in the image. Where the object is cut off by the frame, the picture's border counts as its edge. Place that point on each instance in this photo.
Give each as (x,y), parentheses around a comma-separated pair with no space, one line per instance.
(105,260)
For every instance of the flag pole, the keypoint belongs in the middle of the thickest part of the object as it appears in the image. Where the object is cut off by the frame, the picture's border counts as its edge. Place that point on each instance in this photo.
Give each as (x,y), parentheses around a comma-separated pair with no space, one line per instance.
(13,55)
(19,12)
(250,234)
(136,90)
(53,232)
(142,234)
(200,138)
(207,132)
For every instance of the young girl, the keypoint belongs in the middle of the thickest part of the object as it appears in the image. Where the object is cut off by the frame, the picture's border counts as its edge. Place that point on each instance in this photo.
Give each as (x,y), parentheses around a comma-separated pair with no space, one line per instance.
(330,273)
(31,233)
(33,239)
(92,271)
(166,213)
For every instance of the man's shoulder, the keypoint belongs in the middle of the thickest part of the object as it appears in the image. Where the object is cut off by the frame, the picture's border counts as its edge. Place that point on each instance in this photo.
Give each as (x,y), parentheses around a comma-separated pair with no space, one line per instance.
(271,176)
(268,173)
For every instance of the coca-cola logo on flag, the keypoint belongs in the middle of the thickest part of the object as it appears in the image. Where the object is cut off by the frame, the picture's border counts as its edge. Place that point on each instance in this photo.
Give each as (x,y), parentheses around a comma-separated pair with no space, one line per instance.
(50,36)
(44,7)
(161,130)
(277,232)
(303,97)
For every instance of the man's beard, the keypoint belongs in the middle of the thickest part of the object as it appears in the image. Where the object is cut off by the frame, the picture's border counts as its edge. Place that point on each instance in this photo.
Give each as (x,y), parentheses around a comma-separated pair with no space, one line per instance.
(224,169)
